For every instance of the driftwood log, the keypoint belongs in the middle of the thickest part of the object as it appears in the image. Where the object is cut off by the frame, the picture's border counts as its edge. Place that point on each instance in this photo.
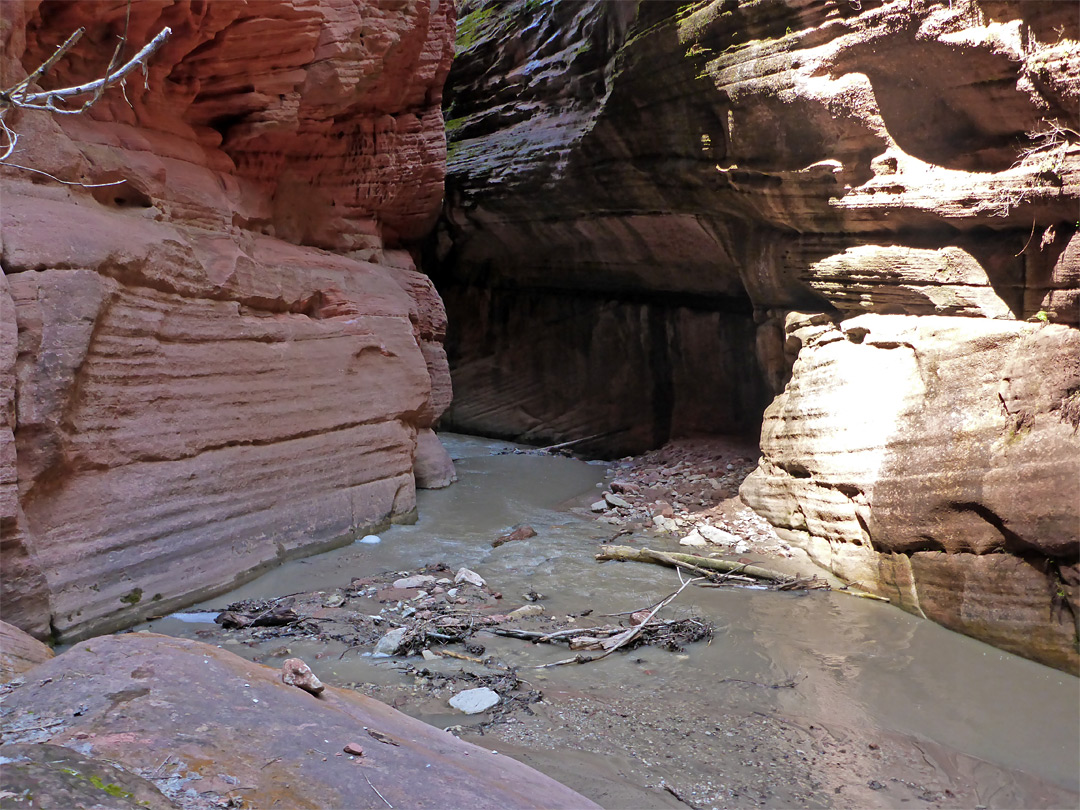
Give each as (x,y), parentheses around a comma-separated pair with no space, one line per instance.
(689,561)
(707,565)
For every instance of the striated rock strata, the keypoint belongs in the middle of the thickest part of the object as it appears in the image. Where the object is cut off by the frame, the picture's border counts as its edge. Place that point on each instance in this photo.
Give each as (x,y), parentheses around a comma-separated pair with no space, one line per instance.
(19,652)
(935,460)
(225,359)
(866,209)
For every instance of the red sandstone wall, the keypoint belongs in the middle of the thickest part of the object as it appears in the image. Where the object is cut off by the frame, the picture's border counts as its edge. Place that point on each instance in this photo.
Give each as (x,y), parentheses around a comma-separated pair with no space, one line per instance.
(226,359)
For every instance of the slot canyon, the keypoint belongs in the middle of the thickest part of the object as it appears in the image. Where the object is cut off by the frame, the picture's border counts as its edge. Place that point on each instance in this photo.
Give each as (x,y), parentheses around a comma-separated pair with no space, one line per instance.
(248,286)
(668,221)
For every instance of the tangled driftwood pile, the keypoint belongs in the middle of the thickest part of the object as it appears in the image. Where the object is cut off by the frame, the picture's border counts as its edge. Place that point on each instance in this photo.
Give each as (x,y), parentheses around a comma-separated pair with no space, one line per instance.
(434,612)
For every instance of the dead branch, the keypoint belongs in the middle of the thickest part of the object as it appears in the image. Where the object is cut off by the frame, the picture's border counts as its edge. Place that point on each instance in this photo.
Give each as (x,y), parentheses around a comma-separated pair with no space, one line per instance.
(377,792)
(563,445)
(576,631)
(612,644)
(863,594)
(628,554)
(20,96)
(790,683)
(558,635)
(666,559)
(671,559)
(457,655)
(45,66)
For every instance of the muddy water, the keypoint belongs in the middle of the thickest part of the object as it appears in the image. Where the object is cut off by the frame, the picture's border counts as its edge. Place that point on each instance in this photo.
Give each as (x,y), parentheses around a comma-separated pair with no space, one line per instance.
(815,699)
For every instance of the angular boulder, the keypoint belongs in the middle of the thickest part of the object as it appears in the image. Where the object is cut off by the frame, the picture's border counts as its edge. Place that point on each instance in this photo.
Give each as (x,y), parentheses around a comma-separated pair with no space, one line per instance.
(433,468)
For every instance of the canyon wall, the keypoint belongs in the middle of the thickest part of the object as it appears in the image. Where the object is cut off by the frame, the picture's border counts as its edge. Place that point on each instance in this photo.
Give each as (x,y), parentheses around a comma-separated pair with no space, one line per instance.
(865,210)
(227,358)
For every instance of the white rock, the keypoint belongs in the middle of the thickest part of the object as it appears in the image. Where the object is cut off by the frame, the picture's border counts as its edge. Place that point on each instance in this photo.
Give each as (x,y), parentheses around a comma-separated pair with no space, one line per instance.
(417,581)
(430,656)
(524,611)
(692,539)
(615,500)
(742,547)
(717,536)
(474,701)
(599,506)
(391,642)
(370,539)
(665,524)
(465,575)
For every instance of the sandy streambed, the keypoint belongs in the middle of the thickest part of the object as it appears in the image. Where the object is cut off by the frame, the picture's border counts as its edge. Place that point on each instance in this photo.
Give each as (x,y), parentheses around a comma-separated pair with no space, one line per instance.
(800,699)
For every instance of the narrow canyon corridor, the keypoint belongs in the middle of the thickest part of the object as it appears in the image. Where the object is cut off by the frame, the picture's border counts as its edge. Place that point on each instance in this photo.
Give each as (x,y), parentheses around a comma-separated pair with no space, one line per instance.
(539,403)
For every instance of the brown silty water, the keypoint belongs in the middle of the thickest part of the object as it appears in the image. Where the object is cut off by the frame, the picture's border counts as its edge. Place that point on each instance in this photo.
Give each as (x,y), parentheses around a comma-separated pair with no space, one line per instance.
(801,699)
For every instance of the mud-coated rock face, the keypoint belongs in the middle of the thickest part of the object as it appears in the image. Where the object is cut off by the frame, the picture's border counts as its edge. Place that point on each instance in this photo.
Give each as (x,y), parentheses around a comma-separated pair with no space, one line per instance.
(225,359)
(905,174)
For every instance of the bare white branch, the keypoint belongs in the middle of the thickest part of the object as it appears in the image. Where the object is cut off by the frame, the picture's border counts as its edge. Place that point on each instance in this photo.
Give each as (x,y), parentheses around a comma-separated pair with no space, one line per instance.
(12,139)
(48,99)
(45,66)
(19,96)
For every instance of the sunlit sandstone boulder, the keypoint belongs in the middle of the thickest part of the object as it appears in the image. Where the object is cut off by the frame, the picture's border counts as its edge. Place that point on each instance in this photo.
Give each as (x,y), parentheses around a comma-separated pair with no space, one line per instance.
(935,460)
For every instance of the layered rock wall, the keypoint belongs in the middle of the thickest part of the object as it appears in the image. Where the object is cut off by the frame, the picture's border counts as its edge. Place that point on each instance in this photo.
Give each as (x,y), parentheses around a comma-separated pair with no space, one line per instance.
(578,237)
(882,193)
(228,358)
(549,366)
(934,460)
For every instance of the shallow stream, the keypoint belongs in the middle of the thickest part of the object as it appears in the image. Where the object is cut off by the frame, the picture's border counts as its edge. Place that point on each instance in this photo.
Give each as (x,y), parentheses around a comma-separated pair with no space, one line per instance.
(885,710)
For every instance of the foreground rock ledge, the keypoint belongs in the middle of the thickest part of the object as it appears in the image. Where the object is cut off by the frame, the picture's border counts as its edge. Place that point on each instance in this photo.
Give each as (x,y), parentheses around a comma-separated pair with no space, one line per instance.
(219,723)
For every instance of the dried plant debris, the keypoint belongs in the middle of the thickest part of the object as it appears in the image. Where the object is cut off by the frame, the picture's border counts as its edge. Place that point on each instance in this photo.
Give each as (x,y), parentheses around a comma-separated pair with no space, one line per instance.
(688,491)
(515,693)
(671,635)
(445,616)
(426,612)
(257,613)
